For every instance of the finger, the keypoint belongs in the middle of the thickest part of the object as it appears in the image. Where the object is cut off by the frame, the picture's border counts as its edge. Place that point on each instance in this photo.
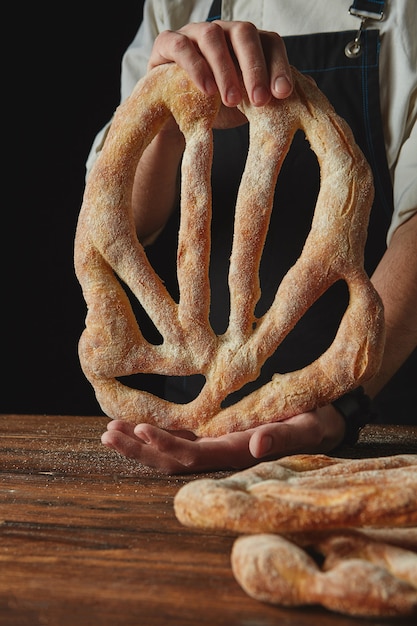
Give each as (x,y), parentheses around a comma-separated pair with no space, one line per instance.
(314,432)
(279,70)
(227,452)
(262,57)
(126,445)
(133,448)
(302,433)
(177,47)
(212,40)
(180,449)
(247,47)
(121,426)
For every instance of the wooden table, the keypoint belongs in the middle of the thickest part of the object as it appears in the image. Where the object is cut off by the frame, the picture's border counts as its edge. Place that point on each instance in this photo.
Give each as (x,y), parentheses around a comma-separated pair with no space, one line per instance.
(90,538)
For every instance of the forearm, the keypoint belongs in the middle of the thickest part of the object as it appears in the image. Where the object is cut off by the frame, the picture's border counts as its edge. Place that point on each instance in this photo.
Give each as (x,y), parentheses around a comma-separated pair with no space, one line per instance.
(395,279)
(155,188)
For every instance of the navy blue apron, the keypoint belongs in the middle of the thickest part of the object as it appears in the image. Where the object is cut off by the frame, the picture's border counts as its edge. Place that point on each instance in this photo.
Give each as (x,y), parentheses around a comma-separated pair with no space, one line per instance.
(352,85)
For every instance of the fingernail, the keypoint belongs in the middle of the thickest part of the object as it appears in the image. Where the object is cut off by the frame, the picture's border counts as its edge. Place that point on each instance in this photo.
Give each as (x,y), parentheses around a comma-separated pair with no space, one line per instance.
(260,96)
(140,435)
(233,96)
(283,86)
(266,444)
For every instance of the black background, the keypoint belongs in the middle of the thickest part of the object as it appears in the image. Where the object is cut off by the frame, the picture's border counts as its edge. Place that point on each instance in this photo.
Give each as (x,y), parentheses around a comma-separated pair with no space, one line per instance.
(63,85)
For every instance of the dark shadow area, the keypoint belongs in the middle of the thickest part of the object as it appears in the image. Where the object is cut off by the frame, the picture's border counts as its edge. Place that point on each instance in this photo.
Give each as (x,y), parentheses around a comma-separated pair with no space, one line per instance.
(62,92)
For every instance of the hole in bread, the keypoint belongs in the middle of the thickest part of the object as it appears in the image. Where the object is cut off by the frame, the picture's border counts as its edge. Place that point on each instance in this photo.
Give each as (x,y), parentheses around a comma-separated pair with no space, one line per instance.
(289,226)
(152,383)
(291,217)
(317,556)
(178,389)
(144,321)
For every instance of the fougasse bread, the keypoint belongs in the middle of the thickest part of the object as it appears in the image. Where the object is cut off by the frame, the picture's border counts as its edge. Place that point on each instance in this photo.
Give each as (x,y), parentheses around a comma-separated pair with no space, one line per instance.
(317,530)
(305,493)
(347,572)
(108,256)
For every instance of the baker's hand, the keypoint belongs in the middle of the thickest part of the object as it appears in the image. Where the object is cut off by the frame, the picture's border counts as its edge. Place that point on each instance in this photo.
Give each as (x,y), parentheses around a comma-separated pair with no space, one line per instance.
(215,53)
(180,452)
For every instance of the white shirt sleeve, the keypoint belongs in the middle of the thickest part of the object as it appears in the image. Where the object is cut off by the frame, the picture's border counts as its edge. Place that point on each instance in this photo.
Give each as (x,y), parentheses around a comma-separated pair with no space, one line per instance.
(405,183)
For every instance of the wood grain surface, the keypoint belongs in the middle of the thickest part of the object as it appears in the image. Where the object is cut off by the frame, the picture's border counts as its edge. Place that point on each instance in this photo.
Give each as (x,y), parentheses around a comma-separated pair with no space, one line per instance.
(90,538)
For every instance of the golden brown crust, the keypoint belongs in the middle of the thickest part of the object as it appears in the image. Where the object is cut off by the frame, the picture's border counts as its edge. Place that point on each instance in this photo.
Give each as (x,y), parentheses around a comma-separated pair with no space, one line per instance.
(106,246)
(318,530)
(344,571)
(305,493)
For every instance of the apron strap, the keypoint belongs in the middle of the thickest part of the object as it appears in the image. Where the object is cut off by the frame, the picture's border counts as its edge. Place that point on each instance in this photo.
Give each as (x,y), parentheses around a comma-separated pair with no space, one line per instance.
(365,10)
(372,9)
(215,12)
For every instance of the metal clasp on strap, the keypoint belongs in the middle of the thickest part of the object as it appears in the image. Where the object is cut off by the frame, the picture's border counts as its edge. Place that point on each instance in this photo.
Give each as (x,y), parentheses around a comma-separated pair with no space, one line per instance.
(354,48)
